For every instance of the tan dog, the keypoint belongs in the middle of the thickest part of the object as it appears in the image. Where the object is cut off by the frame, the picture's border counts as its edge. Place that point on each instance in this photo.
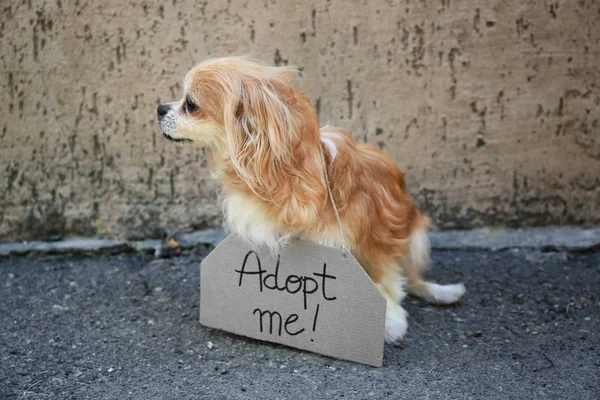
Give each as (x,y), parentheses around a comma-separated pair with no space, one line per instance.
(267,153)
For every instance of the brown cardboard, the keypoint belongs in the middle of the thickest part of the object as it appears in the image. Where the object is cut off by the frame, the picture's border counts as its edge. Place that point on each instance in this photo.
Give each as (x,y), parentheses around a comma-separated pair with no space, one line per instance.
(329,306)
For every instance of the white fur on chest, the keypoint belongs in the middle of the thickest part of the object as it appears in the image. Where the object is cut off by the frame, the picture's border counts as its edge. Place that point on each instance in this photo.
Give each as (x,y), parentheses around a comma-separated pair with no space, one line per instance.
(250,220)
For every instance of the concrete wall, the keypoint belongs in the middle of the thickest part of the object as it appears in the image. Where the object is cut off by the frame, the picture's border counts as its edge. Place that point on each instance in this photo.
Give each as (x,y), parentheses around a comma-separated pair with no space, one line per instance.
(491,107)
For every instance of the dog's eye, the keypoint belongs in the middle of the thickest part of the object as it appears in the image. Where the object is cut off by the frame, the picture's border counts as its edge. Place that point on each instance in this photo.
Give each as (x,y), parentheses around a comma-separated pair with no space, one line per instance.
(189,105)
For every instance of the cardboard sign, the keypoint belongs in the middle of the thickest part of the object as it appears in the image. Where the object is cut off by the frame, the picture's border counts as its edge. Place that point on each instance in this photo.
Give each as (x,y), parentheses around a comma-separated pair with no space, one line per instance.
(311,297)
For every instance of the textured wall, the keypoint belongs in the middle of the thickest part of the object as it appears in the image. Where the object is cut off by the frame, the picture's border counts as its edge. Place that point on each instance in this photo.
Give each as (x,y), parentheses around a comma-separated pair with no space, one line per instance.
(491,107)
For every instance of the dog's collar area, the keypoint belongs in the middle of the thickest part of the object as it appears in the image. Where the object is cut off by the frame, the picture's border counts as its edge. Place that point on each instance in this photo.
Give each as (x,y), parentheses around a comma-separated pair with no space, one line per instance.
(180,140)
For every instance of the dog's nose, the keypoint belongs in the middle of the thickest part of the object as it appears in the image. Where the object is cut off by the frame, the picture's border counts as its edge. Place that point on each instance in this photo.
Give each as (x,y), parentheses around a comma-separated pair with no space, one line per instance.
(162,110)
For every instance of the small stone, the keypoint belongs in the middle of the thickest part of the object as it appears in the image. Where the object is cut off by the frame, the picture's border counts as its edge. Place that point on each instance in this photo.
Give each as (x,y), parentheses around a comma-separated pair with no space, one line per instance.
(464,346)
(111,369)
(243,389)
(223,371)
(209,345)
(587,319)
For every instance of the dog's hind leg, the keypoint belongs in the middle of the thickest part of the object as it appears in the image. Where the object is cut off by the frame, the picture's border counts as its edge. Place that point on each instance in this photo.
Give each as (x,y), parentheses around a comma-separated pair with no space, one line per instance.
(413,266)
(386,276)
(395,316)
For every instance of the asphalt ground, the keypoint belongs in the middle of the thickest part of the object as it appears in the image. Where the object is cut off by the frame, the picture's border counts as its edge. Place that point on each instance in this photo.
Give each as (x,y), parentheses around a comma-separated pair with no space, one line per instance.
(126,327)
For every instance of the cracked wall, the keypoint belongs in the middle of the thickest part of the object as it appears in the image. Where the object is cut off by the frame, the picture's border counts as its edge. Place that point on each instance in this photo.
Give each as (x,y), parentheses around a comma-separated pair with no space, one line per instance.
(490,107)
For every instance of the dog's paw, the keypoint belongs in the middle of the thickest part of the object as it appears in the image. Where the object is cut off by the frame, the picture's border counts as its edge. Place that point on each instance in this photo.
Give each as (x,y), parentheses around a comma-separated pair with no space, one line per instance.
(445,294)
(395,322)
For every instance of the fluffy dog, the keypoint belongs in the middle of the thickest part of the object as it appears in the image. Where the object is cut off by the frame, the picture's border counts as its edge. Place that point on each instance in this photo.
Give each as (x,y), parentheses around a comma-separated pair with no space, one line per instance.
(273,162)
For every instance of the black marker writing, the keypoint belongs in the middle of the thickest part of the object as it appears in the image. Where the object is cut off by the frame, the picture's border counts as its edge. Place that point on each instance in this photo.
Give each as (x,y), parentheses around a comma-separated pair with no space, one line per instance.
(292,284)
(243,271)
(325,276)
(273,321)
(271,315)
(292,318)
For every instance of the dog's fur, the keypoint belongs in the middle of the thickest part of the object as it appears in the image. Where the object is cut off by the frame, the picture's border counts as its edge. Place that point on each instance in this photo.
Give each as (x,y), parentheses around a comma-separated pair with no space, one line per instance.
(266,152)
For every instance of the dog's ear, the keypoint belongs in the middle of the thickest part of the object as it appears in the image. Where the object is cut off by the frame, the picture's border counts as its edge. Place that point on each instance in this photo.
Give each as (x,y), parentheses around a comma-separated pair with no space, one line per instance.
(260,125)
(274,148)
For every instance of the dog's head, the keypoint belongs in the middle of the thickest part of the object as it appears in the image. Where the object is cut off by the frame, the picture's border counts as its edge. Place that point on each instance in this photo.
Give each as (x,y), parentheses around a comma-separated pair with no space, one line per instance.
(248,112)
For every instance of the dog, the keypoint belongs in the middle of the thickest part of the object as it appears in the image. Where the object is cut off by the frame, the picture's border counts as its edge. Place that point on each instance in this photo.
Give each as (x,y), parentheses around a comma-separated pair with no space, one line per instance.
(283,176)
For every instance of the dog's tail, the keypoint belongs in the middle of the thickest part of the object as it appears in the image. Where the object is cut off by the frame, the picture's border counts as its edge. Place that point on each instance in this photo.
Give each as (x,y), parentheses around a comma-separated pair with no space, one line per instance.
(434,293)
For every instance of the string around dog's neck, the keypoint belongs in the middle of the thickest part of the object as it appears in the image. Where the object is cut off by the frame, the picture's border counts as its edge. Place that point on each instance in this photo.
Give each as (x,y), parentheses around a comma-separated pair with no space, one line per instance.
(335,210)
